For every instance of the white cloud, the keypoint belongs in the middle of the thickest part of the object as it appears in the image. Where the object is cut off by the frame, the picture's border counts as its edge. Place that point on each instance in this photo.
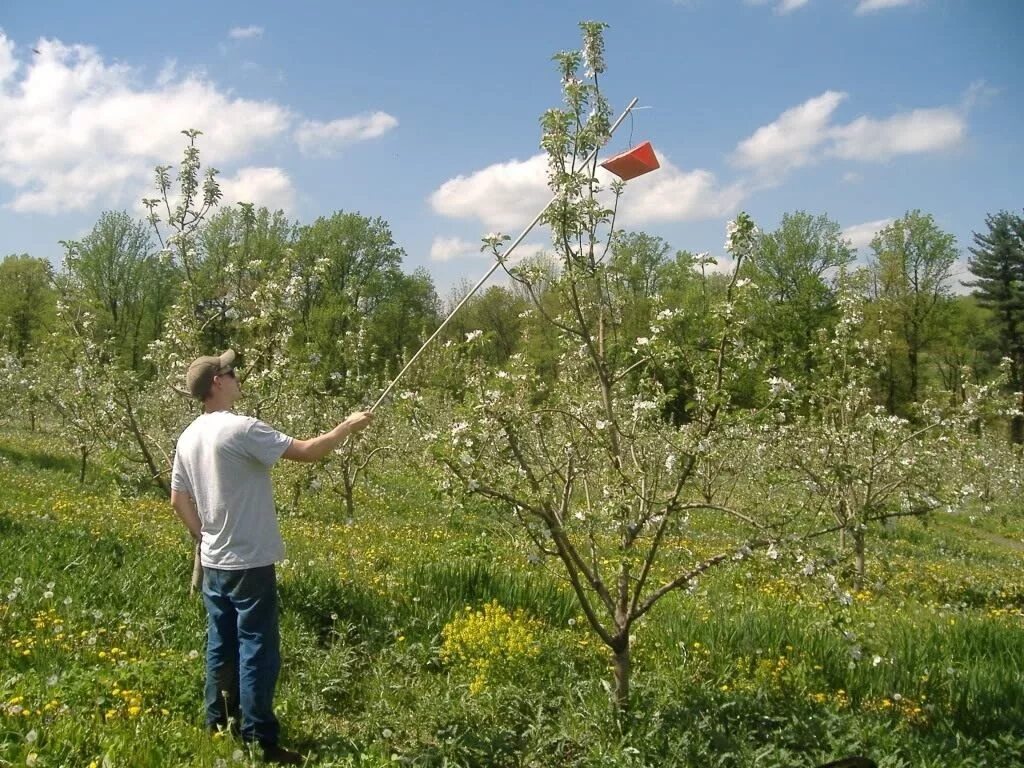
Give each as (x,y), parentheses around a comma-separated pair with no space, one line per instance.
(245,33)
(724,265)
(786,6)
(921,130)
(790,141)
(806,133)
(852,177)
(8,64)
(863,6)
(448,248)
(270,187)
(504,196)
(445,249)
(861,235)
(978,93)
(869,6)
(671,194)
(79,132)
(317,138)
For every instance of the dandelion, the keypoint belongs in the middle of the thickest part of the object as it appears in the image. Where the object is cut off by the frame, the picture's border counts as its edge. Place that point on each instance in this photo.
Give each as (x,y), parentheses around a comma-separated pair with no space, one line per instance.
(238,756)
(32,759)
(48,594)
(68,601)
(32,736)
(473,335)
(193,654)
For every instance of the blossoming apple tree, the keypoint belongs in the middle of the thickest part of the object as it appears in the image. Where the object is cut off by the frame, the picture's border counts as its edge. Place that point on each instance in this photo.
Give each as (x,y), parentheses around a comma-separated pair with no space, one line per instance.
(586,462)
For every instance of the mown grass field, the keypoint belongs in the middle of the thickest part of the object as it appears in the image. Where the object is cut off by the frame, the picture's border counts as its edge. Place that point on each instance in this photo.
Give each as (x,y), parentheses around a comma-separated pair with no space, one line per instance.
(420,634)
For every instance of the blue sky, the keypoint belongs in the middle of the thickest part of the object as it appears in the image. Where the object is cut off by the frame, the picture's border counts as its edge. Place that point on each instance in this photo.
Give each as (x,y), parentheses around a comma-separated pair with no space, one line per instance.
(426,113)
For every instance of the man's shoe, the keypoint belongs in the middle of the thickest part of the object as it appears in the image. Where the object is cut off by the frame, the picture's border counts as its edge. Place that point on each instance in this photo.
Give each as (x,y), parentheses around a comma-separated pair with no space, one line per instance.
(273,753)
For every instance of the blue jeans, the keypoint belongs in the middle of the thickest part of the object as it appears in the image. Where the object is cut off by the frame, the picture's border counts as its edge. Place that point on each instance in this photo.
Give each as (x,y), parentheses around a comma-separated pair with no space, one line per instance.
(243,650)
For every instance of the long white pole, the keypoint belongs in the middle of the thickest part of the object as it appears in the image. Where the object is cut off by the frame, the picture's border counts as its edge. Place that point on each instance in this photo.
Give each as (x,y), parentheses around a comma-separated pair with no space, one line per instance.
(497,263)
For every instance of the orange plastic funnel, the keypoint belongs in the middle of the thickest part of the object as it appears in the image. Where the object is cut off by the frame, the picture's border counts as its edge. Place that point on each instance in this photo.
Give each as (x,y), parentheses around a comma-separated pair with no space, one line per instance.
(633,163)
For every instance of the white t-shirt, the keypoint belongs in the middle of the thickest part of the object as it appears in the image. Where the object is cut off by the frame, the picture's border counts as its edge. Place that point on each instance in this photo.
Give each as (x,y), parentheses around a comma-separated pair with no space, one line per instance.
(223,462)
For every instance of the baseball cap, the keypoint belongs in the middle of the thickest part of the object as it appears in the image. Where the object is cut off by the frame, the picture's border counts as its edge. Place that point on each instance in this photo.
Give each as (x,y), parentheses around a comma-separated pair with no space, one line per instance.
(199,378)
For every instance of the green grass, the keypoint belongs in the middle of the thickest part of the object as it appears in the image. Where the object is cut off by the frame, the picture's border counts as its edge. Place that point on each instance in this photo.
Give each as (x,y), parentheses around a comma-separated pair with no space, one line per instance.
(101,644)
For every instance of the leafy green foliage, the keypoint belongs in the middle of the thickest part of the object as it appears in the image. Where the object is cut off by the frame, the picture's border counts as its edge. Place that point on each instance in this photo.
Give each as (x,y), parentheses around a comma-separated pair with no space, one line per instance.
(910,275)
(27,302)
(923,668)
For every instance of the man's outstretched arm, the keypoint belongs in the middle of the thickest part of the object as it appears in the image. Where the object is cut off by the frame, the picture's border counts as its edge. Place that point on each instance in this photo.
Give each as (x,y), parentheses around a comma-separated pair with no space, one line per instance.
(316,448)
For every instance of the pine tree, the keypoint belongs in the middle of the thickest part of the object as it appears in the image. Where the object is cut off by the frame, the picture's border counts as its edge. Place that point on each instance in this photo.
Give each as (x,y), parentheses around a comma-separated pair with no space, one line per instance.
(998,264)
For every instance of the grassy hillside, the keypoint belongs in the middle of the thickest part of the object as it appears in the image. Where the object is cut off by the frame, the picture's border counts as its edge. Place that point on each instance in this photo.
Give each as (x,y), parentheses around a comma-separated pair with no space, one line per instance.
(421,634)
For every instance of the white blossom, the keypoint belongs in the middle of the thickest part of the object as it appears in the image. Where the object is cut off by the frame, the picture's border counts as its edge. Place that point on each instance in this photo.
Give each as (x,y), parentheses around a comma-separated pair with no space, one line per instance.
(779,385)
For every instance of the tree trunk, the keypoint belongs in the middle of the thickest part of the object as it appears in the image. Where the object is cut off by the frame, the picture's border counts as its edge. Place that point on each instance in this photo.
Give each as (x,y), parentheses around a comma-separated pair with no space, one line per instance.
(350,502)
(1017,425)
(912,362)
(140,440)
(858,555)
(1017,382)
(81,471)
(621,669)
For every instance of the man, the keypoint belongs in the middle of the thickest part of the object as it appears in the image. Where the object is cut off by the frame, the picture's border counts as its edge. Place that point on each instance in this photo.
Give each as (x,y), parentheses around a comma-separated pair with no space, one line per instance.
(221,490)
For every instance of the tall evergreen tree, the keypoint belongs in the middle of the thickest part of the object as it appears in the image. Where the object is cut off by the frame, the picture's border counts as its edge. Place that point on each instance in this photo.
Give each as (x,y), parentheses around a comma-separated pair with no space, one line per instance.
(998,265)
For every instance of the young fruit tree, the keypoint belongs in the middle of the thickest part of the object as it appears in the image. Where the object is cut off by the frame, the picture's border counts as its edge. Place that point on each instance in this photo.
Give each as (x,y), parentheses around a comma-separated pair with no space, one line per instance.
(850,464)
(587,460)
